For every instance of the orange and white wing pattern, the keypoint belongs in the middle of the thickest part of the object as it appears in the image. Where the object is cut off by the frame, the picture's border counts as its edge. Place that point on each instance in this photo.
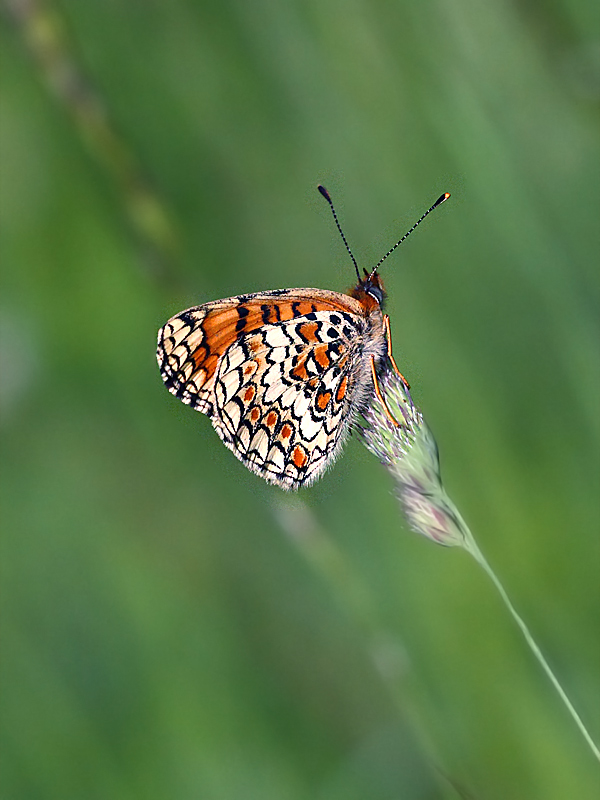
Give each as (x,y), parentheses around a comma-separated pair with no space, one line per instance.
(281,374)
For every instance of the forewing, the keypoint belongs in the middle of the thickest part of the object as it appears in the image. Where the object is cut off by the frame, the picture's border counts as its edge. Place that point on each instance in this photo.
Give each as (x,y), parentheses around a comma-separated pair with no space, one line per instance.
(191,343)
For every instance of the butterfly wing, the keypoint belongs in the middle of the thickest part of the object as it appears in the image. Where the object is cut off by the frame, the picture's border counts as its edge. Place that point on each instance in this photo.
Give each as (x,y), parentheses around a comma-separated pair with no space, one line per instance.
(282,404)
(280,374)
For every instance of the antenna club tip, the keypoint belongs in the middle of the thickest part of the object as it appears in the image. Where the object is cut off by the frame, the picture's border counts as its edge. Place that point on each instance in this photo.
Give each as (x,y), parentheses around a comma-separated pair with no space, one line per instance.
(441,199)
(324,192)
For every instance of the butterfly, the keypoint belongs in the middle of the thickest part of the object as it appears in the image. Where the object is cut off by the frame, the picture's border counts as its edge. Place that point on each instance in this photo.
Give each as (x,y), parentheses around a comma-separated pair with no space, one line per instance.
(283,374)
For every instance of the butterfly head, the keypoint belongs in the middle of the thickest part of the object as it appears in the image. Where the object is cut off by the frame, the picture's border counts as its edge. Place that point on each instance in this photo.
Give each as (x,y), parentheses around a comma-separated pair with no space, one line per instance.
(369,291)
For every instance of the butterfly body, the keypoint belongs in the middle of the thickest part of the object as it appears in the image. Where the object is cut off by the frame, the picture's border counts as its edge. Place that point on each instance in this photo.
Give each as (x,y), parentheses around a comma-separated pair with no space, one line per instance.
(281,374)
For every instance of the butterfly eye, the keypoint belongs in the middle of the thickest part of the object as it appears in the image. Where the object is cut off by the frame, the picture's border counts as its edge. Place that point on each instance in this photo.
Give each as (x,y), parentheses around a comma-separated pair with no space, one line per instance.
(374,292)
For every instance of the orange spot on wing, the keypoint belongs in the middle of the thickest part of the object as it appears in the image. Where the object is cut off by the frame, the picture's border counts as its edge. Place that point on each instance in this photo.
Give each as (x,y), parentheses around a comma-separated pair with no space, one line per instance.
(286,432)
(308,330)
(299,456)
(271,419)
(323,400)
(220,323)
(204,362)
(254,414)
(249,394)
(299,372)
(322,356)
(200,355)
(341,390)
(290,308)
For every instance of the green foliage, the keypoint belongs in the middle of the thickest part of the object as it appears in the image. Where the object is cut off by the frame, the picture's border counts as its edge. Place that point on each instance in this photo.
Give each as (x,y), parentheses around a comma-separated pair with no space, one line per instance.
(174,627)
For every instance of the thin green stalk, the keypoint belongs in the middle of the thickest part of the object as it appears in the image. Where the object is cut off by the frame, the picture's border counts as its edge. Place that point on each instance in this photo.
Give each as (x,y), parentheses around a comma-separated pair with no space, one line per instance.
(480,558)
(409,451)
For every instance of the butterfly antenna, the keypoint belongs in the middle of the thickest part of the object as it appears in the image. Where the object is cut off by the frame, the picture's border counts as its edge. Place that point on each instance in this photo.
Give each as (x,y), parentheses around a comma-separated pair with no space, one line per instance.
(325,194)
(437,203)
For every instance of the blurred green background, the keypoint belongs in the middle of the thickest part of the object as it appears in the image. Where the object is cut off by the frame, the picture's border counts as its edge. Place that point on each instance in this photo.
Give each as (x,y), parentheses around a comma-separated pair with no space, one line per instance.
(174,627)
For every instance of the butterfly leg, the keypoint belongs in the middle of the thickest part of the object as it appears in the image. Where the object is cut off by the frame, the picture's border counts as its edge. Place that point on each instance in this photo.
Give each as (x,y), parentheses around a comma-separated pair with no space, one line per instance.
(388,336)
(388,413)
